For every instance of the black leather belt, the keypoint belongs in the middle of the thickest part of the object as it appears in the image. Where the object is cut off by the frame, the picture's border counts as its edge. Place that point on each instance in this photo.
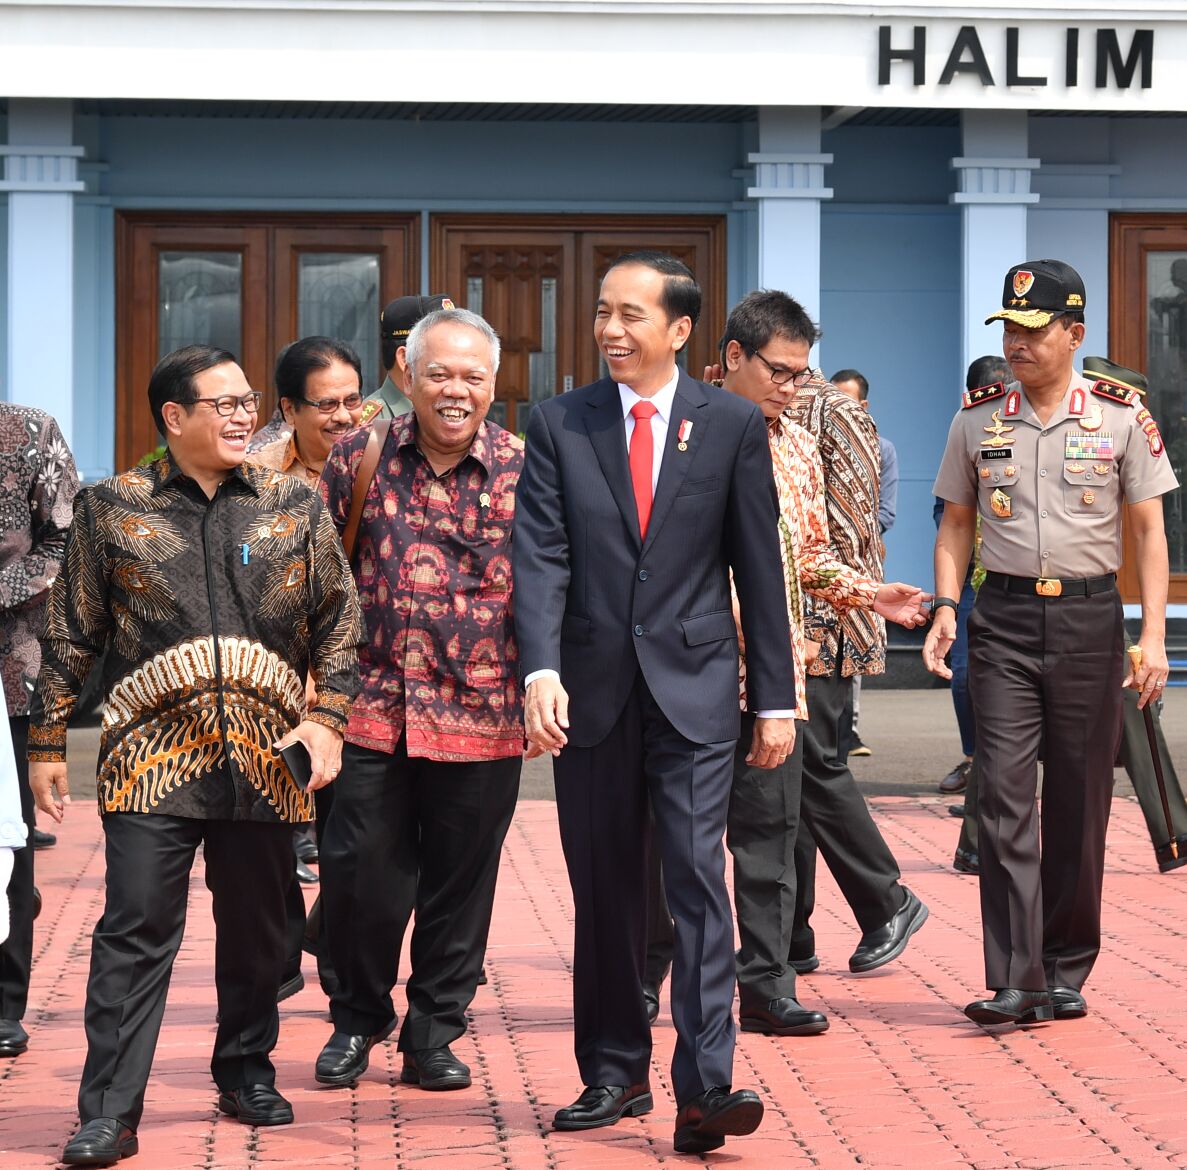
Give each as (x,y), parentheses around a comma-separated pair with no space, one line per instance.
(1052,586)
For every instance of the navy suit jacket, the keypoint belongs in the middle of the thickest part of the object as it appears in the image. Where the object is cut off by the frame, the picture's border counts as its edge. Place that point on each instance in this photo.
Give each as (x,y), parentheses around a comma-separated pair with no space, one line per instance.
(596,603)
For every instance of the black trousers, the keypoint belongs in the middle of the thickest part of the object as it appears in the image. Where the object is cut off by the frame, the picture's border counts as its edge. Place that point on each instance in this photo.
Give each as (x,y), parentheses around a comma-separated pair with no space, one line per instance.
(602,806)
(16,952)
(149,858)
(295,925)
(764,815)
(409,834)
(1044,670)
(835,819)
(969,839)
(1137,761)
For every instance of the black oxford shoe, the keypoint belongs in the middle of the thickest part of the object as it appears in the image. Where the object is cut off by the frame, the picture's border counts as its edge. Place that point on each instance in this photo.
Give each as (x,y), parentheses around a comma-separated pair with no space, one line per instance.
(434,1068)
(102,1141)
(805,966)
(345,1057)
(1169,859)
(879,947)
(1012,1006)
(966,861)
(256,1105)
(651,1001)
(603,1105)
(1068,1003)
(781,1017)
(706,1121)
(13,1037)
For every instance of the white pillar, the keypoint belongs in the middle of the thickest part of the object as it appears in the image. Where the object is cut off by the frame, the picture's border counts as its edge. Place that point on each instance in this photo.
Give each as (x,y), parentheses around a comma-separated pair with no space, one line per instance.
(788,189)
(993,189)
(41,179)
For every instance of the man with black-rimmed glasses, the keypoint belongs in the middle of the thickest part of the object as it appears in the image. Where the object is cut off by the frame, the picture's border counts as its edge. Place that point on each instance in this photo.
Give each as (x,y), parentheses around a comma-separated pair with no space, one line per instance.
(215,587)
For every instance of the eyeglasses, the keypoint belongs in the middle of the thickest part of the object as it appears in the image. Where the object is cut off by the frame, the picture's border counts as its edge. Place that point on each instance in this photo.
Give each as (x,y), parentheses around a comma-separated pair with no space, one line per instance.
(780,375)
(229,403)
(329,405)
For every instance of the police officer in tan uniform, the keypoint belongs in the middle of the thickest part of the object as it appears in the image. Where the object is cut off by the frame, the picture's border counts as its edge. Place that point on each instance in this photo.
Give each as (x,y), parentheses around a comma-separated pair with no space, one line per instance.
(395,323)
(1046,463)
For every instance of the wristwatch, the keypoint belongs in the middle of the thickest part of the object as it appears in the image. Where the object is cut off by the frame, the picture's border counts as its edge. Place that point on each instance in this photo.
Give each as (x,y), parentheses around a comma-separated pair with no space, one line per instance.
(940,602)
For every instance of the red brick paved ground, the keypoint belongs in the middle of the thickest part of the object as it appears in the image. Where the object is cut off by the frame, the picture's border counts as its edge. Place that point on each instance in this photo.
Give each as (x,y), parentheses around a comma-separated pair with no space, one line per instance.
(901,1079)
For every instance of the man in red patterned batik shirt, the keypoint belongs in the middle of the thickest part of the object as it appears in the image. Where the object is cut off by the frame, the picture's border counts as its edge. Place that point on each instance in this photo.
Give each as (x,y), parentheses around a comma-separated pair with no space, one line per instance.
(435,740)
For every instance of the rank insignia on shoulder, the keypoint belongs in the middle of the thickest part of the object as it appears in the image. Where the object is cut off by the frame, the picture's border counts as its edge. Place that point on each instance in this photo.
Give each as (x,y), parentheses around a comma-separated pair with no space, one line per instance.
(983,394)
(370,409)
(1117,393)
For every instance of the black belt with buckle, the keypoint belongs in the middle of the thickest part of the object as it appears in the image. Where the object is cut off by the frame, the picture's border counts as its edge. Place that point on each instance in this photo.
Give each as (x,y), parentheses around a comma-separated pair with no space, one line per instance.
(1052,586)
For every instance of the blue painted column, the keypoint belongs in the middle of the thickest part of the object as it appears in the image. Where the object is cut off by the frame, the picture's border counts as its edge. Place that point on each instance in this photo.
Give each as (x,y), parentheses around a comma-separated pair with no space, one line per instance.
(41,179)
(993,191)
(788,190)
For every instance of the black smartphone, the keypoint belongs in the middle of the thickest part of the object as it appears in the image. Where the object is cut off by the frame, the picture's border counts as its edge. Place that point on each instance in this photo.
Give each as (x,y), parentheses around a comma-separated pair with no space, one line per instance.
(300,766)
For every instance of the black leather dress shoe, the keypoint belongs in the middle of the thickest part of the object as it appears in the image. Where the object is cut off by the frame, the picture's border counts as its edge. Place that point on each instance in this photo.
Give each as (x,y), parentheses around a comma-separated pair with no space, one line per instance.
(1012,1006)
(1067,1003)
(878,947)
(305,847)
(43,840)
(966,861)
(706,1121)
(651,1001)
(102,1141)
(781,1017)
(434,1068)
(345,1057)
(603,1105)
(956,810)
(13,1037)
(1166,859)
(290,987)
(805,966)
(256,1105)
(305,875)
(956,780)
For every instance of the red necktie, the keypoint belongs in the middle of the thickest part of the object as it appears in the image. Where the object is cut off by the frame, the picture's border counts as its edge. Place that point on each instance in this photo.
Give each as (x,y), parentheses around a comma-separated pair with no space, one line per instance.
(642,452)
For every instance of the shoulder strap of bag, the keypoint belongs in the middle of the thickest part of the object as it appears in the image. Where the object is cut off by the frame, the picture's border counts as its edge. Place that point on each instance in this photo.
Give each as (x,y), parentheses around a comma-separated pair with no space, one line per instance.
(362,483)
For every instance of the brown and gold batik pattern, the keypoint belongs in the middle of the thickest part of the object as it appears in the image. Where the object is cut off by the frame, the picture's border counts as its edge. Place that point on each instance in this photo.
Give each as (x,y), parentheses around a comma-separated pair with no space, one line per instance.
(211,613)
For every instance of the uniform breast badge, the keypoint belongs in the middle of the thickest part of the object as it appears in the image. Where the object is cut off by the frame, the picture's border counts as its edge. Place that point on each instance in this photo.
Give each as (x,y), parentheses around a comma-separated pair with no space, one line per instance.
(1093,420)
(984,472)
(997,431)
(1075,468)
(1089,496)
(1101,468)
(1000,503)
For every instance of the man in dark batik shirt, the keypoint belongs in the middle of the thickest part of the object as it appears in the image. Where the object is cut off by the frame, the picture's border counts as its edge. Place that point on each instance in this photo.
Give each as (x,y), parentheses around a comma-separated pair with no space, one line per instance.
(434,744)
(37,486)
(215,586)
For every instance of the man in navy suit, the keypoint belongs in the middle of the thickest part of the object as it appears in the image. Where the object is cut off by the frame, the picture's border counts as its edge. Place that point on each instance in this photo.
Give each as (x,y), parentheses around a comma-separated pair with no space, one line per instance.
(639,495)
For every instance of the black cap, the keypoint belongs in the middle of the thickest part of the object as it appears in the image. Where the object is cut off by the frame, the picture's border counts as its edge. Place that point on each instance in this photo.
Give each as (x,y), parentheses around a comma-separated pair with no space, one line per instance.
(1107,371)
(397,319)
(1038,291)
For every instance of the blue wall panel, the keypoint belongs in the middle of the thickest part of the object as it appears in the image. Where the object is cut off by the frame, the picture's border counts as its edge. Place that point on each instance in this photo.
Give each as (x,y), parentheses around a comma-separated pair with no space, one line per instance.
(890,295)
(94,339)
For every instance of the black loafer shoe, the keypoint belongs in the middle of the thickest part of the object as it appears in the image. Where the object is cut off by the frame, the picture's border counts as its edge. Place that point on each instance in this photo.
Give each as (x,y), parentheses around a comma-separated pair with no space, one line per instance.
(603,1105)
(781,1017)
(102,1141)
(345,1057)
(706,1121)
(290,987)
(966,861)
(805,966)
(43,840)
(1012,1006)
(1166,856)
(878,947)
(256,1105)
(956,780)
(651,1001)
(1067,1003)
(13,1037)
(434,1068)
(956,810)
(305,875)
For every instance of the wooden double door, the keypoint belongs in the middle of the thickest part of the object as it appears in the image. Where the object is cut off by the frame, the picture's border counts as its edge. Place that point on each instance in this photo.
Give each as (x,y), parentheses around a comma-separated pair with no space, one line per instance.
(252,283)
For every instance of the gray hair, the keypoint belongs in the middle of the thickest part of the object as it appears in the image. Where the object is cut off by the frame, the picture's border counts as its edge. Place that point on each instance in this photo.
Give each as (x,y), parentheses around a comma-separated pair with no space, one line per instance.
(416,339)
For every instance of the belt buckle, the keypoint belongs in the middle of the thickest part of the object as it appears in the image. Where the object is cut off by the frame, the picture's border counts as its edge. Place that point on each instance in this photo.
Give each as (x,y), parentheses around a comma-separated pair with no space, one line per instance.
(1046,587)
